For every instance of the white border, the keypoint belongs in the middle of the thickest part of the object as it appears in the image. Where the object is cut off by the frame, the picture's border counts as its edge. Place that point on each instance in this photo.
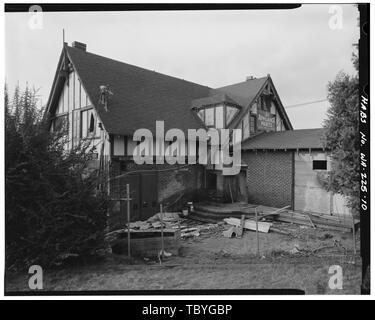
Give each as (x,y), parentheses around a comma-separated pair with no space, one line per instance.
(167,297)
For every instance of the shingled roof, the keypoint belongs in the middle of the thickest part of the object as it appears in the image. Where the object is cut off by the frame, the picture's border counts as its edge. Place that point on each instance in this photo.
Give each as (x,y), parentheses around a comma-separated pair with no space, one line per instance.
(215,98)
(140,96)
(290,139)
(246,90)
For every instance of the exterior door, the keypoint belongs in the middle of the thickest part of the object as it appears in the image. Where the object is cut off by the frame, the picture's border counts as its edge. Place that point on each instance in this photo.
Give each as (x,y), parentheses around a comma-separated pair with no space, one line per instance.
(143,193)
(148,195)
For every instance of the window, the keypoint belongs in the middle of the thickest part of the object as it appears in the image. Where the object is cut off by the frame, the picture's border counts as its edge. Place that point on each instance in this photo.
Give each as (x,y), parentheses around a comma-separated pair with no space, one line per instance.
(319,164)
(219,117)
(245,127)
(201,114)
(60,124)
(71,91)
(60,107)
(77,93)
(87,123)
(252,124)
(66,96)
(231,111)
(91,123)
(261,103)
(84,131)
(267,102)
(209,117)
(83,98)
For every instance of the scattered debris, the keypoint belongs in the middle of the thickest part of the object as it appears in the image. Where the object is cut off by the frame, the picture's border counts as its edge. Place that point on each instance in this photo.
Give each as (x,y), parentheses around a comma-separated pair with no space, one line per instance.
(295,249)
(312,223)
(250,224)
(156,225)
(213,212)
(229,233)
(239,230)
(326,236)
(167,216)
(278,230)
(190,234)
(145,226)
(188,229)
(162,254)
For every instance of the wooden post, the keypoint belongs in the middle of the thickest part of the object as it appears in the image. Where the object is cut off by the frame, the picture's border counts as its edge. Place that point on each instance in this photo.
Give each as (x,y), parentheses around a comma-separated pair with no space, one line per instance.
(128,216)
(257,233)
(354,248)
(162,231)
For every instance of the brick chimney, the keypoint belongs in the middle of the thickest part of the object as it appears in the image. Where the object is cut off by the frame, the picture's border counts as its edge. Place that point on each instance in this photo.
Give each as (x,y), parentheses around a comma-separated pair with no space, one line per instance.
(79,45)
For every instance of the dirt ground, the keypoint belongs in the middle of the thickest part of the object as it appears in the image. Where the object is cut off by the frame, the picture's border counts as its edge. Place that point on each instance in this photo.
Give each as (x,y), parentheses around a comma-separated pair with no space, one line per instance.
(300,260)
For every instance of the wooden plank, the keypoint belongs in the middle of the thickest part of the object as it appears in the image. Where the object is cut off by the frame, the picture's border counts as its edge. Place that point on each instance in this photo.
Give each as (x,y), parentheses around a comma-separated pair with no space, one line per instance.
(307,223)
(274,212)
(250,224)
(277,230)
(240,228)
(312,223)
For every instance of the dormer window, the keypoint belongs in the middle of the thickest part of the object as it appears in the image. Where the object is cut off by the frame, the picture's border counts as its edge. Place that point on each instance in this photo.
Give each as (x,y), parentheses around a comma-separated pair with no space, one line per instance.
(217,116)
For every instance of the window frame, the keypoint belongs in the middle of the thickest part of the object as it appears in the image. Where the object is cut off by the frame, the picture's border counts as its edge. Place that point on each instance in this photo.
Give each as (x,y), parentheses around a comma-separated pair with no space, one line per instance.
(253,116)
(215,110)
(89,111)
(324,164)
(247,115)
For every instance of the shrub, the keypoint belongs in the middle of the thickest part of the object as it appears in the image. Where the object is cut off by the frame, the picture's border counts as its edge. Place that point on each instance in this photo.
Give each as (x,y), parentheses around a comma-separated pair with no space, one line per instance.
(54,208)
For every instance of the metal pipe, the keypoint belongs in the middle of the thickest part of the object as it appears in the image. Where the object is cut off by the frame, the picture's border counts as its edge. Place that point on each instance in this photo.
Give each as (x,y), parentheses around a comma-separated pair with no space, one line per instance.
(128,216)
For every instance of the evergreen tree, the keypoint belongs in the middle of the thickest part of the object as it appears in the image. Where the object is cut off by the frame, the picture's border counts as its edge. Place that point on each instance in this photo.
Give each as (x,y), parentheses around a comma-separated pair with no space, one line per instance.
(342,136)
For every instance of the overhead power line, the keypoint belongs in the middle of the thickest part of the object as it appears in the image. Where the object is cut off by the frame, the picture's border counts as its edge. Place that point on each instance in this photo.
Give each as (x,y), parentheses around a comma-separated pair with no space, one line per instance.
(305,103)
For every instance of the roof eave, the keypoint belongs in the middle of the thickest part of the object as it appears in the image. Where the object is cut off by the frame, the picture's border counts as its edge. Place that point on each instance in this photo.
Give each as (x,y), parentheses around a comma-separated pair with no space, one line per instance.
(54,83)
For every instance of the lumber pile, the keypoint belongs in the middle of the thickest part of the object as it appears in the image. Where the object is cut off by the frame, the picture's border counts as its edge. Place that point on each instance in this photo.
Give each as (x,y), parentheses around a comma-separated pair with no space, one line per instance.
(250,224)
(314,220)
(211,212)
(151,228)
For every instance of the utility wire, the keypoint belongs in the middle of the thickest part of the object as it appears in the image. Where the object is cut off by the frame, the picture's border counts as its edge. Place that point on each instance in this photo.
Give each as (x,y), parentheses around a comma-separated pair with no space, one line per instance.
(305,103)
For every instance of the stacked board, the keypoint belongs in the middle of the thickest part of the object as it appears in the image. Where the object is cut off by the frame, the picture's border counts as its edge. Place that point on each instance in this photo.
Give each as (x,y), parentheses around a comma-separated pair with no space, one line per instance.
(214,212)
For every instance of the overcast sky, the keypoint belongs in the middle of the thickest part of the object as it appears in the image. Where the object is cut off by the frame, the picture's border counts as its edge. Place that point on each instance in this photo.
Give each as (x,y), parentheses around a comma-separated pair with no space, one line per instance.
(214,48)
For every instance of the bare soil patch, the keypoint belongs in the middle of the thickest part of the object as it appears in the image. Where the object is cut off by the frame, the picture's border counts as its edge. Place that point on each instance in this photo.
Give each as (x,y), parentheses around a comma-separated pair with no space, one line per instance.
(211,261)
